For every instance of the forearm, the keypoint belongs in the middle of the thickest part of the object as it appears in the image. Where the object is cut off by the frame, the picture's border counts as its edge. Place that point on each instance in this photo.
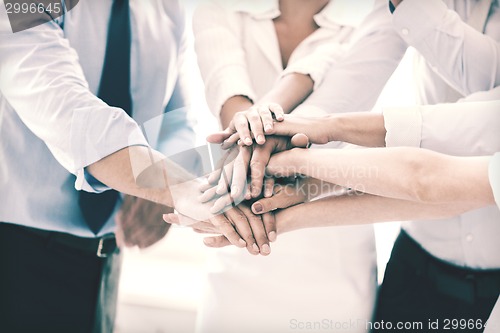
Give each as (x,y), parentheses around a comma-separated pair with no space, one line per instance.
(361,209)
(363,129)
(232,106)
(291,90)
(403,173)
(142,172)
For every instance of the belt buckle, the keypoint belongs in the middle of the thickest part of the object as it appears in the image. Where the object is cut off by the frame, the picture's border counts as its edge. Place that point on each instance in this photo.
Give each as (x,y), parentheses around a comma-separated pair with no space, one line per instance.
(101,253)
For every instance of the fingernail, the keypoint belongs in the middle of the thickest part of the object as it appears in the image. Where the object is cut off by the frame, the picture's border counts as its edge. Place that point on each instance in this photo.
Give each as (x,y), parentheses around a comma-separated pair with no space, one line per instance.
(272,236)
(268,193)
(260,139)
(257,207)
(255,247)
(248,141)
(242,243)
(268,128)
(208,241)
(265,249)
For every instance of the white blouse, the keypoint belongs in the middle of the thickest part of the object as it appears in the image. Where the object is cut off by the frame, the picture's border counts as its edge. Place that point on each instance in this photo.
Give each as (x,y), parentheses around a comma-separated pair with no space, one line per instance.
(310,276)
(240,54)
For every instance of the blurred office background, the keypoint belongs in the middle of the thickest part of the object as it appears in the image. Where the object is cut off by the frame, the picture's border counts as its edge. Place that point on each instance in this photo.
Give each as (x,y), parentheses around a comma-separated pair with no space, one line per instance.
(160,286)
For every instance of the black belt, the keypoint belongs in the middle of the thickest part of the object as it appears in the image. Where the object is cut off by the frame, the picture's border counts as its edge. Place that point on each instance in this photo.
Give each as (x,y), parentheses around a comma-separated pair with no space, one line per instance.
(461,283)
(102,247)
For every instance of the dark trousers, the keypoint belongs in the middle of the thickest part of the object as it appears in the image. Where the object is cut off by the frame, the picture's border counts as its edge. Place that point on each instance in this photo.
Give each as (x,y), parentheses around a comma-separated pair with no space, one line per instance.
(46,286)
(419,288)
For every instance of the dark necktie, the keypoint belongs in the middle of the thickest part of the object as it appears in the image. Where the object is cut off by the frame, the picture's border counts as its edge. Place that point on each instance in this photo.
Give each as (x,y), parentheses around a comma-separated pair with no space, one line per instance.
(114,89)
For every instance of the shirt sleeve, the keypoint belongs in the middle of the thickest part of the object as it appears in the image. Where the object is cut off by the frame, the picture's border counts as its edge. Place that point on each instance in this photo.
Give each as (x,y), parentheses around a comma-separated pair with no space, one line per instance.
(42,80)
(316,64)
(468,128)
(354,82)
(494,174)
(471,62)
(221,56)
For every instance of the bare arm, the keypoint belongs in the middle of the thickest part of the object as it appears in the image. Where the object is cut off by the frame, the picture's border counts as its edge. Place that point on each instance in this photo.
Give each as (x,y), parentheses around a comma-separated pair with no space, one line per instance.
(361,209)
(402,173)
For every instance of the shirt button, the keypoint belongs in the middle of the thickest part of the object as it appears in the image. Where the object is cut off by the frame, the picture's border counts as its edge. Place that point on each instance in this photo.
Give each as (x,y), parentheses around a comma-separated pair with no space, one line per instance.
(469,238)
(405,31)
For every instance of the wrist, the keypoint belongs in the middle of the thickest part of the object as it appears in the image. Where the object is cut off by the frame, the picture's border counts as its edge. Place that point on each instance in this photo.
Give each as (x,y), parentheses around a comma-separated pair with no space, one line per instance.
(288,220)
(334,125)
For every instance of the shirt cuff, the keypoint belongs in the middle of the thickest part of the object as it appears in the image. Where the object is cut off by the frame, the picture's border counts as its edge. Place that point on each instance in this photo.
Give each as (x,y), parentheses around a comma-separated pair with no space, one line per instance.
(97,133)
(416,19)
(403,126)
(494,175)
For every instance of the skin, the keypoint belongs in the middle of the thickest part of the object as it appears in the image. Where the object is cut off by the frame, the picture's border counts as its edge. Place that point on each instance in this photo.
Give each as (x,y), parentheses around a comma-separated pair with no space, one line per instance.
(251,122)
(435,186)
(118,172)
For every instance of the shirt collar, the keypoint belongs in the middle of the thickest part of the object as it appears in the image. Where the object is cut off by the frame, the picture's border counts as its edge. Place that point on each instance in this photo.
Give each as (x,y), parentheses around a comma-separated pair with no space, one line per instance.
(337,12)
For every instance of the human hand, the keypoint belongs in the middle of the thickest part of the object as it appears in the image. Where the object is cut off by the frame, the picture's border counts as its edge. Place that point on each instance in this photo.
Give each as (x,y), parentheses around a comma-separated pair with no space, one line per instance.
(139,222)
(253,160)
(255,123)
(253,228)
(285,195)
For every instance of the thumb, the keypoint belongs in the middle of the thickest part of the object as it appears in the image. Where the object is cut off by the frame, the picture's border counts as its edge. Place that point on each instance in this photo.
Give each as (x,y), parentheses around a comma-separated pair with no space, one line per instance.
(300,140)
(219,137)
(216,241)
(266,205)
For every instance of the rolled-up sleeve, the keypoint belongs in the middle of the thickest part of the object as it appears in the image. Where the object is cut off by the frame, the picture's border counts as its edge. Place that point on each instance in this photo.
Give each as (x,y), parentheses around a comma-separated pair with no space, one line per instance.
(494,175)
(221,56)
(42,80)
(471,61)
(469,128)
(316,64)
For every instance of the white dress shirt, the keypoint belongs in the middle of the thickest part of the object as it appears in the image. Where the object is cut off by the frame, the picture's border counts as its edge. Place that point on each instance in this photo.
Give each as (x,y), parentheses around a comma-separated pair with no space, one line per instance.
(494,171)
(451,52)
(51,123)
(455,129)
(311,276)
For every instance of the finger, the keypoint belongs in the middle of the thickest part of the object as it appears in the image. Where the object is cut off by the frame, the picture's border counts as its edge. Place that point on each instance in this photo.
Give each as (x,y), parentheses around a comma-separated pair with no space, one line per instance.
(248,192)
(206,227)
(256,125)
(202,231)
(300,140)
(267,119)
(241,125)
(288,196)
(219,137)
(270,225)
(208,195)
(268,187)
(242,226)
(258,230)
(224,180)
(260,159)
(239,172)
(206,186)
(226,159)
(171,218)
(225,227)
(229,142)
(216,241)
(221,203)
(279,114)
